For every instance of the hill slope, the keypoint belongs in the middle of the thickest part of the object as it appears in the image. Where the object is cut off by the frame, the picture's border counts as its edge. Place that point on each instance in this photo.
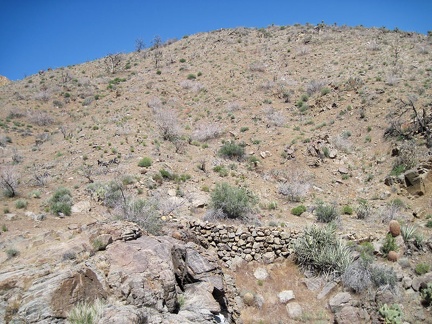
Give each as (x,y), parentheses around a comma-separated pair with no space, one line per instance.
(310,106)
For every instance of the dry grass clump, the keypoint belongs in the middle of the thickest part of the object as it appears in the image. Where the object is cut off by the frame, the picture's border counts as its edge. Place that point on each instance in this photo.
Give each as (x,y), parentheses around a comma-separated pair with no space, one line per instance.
(207,131)
(274,117)
(40,118)
(296,186)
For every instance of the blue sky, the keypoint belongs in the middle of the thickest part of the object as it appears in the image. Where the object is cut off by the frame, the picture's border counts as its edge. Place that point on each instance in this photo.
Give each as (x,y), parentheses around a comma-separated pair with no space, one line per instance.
(38,34)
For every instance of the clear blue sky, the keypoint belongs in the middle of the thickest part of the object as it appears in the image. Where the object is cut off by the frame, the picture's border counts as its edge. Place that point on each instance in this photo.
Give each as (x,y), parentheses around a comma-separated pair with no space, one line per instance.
(37,34)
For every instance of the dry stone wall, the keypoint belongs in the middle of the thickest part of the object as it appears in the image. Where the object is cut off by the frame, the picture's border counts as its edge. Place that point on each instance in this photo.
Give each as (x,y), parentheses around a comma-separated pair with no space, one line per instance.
(263,244)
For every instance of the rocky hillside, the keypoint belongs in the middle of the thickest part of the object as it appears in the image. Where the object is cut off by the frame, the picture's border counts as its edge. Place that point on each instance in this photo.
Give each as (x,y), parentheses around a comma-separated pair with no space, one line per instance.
(3,80)
(300,118)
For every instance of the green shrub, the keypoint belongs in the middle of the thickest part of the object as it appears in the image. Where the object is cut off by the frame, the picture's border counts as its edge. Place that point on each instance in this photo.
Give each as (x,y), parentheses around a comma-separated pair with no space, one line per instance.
(86,313)
(232,150)
(408,232)
(422,268)
(61,202)
(429,223)
(234,202)
(191,76)
(426,294)
(145,162)
(166,174)
(389,245)
(392,314)
(12,252)
(383,276)
(297,211)
(363,209)
(319,250)
(326,213)
(21,203)
(347,210)
(223,172)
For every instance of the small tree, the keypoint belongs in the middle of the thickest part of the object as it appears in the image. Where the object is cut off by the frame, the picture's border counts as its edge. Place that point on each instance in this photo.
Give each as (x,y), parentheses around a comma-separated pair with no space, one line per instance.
(157,50)
(139,45)
(167,121)
(112,62)
(9,180)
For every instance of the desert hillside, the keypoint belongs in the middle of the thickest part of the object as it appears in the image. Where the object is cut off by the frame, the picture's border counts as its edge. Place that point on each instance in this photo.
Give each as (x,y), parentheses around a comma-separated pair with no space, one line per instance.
(298,119)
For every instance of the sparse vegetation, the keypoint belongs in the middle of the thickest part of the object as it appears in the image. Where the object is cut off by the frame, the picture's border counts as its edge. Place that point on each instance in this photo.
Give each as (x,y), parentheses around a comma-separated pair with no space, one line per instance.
(297,211)
(232,202)
(319,250)
(145,162)
(86,312)
(232,150)
(61,202)
(326,213)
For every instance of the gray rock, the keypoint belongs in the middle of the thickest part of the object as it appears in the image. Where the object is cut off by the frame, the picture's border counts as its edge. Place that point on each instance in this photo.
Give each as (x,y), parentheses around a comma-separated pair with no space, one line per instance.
(349,315)
(421,281)
(261,274)
(338,301)
(268,257)
(314,283)
(81,207)
(294,310)
(285,296)
(327,289)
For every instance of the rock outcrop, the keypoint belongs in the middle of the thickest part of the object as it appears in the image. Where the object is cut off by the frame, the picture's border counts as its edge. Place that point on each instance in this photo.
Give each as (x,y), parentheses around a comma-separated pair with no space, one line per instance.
(144,280)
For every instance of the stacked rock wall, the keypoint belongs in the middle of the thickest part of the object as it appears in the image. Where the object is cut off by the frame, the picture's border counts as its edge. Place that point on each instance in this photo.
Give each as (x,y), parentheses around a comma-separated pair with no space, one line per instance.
(263,244)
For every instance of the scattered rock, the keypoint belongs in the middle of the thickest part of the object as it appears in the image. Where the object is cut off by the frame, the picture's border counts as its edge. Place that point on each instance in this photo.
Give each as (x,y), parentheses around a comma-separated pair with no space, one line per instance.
(327,289)
(338,301)
(294,310)
(248,299)
(351,315)
(81,207)
(261,274)
(285,296)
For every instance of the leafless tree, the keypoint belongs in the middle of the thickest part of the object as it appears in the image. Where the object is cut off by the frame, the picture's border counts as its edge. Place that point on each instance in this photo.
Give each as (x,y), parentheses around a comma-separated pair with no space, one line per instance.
(112,62)
(407,120)
(167,121)
(9,180)
(139,45)
(87,171)
(157,50)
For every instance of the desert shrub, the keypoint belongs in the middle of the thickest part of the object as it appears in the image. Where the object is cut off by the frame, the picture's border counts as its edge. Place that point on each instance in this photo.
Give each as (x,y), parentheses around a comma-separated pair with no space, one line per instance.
(326,213)
(408,232)
(274,117)
(12,252)
(429,223)
(363,209)
(422,268)
(145,162)
(61,202)
(357,276)
(296,187)
(407,158)
(297,211)
(191,76)
(40,118)
(342,143)
(21,203)
(314,86)
(234,202)
(257,67)
(143,212)
(319,250)
(391,211)
(207,131)
(86,313)
(233,106)
(389,245)
(426,294)
(391,314)
(347,210)
(383,276)
(223,172)
(9,181)
(168,124)
(232,150)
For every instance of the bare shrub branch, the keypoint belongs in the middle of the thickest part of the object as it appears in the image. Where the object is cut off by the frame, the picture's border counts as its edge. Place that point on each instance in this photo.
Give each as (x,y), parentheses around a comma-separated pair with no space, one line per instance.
(9,181)
(207,131)
(112,62)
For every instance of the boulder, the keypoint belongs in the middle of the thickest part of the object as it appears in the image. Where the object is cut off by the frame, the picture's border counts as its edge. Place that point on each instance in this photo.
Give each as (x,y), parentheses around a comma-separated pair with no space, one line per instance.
(351,315)
(248,299)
